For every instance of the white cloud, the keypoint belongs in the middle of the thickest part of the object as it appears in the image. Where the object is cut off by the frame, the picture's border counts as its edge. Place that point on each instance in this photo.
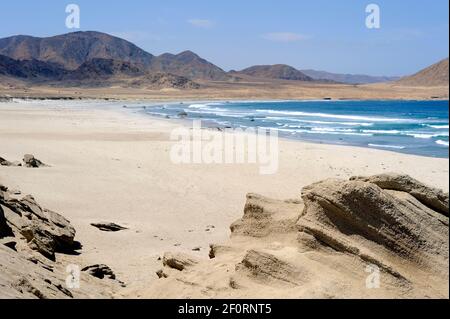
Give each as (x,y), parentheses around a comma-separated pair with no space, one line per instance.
(201,23)
(284,37)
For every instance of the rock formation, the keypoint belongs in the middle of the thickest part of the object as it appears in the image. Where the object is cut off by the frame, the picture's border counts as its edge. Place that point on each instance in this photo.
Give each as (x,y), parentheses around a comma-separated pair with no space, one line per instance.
(4,162)
(31,161)
(30,239)
(383,236)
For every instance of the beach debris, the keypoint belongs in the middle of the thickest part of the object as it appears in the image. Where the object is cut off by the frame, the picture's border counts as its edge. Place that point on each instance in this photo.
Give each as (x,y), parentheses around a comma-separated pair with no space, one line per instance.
(100,271)
(108,227)
(31,161)
(178,261)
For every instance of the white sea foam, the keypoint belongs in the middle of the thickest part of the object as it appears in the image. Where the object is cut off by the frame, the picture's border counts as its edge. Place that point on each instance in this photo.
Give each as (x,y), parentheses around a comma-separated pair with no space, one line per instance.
(426,135)
(443,143)
(437,126)
(397,147)
(388,132)
(319,122)
(338,116)
(327,132)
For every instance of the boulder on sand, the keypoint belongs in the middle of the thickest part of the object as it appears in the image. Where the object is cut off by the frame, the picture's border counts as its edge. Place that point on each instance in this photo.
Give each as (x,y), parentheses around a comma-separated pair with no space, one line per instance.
(31,161)
(108,227)
(178,261)
(44,231)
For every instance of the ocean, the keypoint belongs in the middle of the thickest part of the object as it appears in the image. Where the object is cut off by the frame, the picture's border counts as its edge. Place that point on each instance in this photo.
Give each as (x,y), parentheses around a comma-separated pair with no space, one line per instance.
(412,127)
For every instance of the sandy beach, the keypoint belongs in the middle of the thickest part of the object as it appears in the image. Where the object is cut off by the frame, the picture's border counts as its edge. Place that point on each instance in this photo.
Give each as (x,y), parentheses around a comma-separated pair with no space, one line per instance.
(109,164)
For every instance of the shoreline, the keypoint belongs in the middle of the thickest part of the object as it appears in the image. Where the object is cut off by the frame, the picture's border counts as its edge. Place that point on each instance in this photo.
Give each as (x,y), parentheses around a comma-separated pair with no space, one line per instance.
(265,90)
(127,109)
(107,165)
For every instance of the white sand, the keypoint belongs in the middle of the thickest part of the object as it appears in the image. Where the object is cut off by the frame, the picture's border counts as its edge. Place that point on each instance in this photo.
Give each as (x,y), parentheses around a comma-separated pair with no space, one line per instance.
(108,164)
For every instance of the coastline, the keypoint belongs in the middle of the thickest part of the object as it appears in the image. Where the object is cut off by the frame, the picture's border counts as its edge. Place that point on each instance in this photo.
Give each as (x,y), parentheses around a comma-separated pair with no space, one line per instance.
(216,91)
(113,165)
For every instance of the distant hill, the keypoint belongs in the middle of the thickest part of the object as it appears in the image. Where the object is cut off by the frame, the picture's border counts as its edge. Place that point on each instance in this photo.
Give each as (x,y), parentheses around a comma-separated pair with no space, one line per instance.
(29,69)
(277,71)
(70,51)
(435,75)
(103,69)
(348,78)
(188,64)
(95,72)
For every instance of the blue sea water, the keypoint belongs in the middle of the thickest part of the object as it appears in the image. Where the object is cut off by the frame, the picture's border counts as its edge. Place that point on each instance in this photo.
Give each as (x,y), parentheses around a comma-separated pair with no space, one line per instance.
(413,127)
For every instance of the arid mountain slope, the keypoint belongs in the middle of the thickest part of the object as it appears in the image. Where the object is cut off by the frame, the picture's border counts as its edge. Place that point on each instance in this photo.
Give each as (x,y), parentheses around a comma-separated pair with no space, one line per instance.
(71,50)
(93,73)
(435,75)
(278,71)
(29,69)
(348,78)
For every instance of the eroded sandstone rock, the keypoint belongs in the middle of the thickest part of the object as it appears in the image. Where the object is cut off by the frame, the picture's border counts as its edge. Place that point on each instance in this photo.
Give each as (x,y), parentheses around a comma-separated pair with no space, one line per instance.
(434,198)
(336,241)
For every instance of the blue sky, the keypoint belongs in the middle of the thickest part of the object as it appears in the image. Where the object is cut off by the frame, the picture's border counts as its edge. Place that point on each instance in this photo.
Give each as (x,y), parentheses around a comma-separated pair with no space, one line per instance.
(321,34)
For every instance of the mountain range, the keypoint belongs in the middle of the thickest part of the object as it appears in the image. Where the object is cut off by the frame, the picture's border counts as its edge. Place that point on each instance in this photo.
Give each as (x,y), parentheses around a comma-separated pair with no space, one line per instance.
(348,78)
(70,51)
(86,57)
(277,71)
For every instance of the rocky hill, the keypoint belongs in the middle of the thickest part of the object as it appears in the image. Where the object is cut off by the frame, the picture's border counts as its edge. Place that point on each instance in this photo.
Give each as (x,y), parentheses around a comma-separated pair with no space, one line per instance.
(29,69)
(70,51)
(435,75)
(97,72)
(348,78)
(278,71)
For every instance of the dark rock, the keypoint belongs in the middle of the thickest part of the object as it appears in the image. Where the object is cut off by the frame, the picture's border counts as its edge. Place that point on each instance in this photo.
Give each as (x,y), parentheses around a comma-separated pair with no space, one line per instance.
(100,271)
(31,161)
(4,162)
(44,231)
(161,274)
(108,227)
(9,242)
(178,261)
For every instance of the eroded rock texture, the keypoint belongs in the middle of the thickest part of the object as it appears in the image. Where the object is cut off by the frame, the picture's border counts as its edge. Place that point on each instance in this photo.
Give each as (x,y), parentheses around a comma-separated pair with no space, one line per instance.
(30,238)
(384,236)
